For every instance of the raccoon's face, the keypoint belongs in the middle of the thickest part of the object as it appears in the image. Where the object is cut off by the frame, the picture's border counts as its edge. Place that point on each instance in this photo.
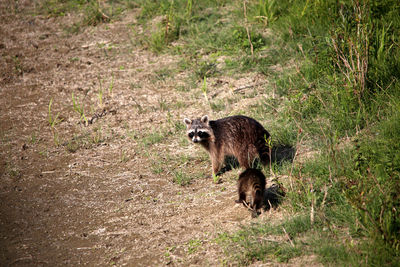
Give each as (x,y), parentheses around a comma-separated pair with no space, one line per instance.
(198,130)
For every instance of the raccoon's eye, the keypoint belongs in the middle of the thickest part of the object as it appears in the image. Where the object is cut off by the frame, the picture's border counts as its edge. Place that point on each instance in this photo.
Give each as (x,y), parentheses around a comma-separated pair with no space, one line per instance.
(191,134)
(202,134)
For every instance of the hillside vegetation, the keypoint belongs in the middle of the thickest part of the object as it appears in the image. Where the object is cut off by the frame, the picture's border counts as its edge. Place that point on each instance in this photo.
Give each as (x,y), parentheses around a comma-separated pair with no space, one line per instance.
(337,91)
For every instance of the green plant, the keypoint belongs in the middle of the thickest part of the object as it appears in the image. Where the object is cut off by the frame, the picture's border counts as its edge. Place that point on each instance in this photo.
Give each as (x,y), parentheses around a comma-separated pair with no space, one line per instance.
(266,10)
(204,90)
(205,69)
(153,138)
(193,245)
(53,121)
(352,50)
(110,88)
(94,13)
(79,108)
(124,156)
(33,138)
(100,93)
(216,178)
(97,135)
(181,178)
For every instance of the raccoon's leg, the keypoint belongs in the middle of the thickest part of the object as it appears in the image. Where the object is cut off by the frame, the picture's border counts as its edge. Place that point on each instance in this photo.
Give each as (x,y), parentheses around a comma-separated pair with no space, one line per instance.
(263,152)
(242,197)
(258,199)
(243,158)
(247,156)
(216,166)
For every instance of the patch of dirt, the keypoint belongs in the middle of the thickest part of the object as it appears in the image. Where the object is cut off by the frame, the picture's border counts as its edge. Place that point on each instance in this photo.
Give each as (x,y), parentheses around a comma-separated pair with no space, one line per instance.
(77,194)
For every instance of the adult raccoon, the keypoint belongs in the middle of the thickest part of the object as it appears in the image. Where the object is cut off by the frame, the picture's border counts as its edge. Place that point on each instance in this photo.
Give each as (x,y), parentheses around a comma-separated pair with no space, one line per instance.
(238,136)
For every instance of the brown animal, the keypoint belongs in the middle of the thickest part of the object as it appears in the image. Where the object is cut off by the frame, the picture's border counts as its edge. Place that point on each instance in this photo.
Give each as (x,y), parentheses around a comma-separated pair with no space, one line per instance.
(238,136)
(251,186)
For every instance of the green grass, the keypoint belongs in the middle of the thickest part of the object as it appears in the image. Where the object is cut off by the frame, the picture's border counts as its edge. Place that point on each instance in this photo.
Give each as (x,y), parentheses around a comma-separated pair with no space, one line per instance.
(181,178)
(339,83)
(92,12)
(349,188)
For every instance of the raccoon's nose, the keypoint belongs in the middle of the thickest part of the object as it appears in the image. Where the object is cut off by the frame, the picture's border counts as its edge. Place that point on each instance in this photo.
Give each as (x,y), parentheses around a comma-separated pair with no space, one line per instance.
(195,140)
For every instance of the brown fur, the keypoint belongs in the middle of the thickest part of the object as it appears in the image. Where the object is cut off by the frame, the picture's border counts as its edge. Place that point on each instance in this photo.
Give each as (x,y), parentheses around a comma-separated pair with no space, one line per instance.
(251,186)
(238,136)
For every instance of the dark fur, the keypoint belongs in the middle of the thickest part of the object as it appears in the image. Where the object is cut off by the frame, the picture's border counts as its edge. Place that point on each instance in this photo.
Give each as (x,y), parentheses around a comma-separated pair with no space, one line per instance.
(251,186)
(238,136)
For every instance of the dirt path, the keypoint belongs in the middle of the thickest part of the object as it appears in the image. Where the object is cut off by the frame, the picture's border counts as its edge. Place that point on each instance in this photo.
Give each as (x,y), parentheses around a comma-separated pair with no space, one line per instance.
(103,193)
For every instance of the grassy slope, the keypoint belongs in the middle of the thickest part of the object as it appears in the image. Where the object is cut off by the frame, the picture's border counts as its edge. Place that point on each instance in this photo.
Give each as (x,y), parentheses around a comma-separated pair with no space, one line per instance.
(333,69)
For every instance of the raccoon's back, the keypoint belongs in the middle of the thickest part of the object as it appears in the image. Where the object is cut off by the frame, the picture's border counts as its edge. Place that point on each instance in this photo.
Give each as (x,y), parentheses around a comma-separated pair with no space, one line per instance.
(238,131)
(251,179)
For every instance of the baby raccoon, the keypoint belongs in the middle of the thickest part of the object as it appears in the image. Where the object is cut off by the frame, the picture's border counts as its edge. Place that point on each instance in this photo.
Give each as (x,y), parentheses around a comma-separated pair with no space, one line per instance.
(251,185)
(238,136)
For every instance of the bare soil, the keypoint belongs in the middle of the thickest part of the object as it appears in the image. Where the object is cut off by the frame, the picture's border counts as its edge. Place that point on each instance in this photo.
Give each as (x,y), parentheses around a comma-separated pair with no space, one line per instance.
(79,194)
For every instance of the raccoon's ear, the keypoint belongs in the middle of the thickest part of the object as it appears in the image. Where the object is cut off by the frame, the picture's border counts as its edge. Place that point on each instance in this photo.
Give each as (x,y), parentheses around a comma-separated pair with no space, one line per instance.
(187,121)
(204,119)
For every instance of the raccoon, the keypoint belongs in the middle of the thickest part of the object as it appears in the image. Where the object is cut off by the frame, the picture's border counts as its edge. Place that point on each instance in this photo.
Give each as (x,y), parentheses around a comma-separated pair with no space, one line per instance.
(251,186)
(238,136)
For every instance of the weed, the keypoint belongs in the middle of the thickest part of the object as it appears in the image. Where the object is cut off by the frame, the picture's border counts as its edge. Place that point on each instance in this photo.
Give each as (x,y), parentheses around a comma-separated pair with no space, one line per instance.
(111,86)
(132,134)
(97,135)
(193,245)
(124,156)
(216,179)
(266,9)
(162,104)
(100,93)
(157,167)
(13,171)
(205,69)
(53,121)
(204,90)
(33,138)
(181,178)
(218,106)
(94,14)
(17,65)
(72,146)
(153,138)
(79,108)
(163,73)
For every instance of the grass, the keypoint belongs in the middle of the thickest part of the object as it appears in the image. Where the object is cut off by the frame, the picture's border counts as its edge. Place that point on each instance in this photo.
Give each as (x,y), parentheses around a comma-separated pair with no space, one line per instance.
(93,12)
(181,178)
(79,108)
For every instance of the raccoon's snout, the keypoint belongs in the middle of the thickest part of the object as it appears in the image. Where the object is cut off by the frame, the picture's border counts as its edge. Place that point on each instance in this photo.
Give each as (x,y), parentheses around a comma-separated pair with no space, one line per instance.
(193,137)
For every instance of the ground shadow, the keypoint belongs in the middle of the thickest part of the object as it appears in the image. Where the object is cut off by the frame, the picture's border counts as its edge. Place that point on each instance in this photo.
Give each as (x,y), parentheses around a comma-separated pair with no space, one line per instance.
(230,163)
(281,153)
(273,196)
